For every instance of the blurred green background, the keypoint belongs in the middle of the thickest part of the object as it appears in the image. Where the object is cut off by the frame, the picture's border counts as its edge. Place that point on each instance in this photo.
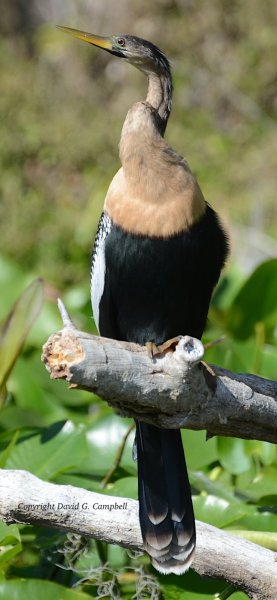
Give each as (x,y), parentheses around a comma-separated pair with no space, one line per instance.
(62,106)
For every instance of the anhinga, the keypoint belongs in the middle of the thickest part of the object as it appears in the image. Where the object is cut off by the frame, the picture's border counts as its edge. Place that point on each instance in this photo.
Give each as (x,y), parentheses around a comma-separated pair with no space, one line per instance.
(158,254)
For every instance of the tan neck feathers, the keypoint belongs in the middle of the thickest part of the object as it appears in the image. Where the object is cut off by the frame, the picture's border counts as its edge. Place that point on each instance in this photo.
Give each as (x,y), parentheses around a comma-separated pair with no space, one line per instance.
(154,193)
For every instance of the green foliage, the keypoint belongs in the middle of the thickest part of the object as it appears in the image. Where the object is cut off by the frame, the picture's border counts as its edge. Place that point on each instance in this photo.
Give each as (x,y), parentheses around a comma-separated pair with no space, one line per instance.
(16,326)
(10,544)
(46,590)
(71,437)
(246,313)
(256,303)
(194,587)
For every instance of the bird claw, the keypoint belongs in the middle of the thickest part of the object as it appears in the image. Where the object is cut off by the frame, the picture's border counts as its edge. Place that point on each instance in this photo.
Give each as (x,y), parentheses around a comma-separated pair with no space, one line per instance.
(154,350)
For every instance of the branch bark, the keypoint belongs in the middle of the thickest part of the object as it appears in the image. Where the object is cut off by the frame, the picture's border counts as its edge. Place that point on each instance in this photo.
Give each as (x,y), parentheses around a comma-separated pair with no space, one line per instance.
(175,390)
(26,499)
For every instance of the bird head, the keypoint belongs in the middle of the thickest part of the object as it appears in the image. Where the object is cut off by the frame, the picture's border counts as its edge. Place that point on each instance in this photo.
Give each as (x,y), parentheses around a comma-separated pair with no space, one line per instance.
(137,51)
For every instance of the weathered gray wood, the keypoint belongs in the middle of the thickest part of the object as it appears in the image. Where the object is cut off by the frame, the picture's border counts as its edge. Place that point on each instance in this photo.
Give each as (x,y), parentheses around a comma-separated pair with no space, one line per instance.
(174,390)
(26,499)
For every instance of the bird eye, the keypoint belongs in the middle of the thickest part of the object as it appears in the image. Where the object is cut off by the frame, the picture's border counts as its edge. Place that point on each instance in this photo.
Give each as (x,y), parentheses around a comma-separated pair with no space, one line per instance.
(121,42)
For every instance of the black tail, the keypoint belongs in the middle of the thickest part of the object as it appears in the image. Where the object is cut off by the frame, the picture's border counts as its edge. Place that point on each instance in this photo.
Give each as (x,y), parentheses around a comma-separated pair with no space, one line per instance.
(165,506)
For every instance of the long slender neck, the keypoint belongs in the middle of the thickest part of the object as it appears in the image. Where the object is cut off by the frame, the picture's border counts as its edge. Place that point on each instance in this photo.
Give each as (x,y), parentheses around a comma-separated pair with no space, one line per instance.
(160,95)
(154,193)
(145,124)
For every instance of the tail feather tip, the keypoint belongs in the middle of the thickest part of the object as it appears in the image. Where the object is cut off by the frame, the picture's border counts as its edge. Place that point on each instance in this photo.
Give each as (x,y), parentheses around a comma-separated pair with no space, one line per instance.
(171,565)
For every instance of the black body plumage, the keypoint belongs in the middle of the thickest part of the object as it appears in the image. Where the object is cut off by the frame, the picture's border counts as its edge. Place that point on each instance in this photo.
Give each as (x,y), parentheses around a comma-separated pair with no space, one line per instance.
(155,289)
(158,288)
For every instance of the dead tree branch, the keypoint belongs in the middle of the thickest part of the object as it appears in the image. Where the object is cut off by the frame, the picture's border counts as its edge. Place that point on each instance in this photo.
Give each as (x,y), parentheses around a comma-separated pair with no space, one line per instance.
(175,390)
(26,499)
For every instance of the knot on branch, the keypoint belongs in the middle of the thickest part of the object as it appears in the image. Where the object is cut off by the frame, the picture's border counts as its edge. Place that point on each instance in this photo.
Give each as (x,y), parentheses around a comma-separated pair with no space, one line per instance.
(189,351)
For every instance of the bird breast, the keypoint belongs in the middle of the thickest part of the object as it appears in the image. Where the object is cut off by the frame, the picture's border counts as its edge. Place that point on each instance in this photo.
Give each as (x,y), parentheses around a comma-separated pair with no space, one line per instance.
(155,203)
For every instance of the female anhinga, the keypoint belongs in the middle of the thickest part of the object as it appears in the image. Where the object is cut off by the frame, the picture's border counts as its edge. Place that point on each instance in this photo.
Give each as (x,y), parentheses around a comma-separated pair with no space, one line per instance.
(158,254)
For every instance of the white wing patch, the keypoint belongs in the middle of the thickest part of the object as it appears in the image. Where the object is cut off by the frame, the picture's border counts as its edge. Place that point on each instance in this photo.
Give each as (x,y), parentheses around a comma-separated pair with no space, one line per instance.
(98,265)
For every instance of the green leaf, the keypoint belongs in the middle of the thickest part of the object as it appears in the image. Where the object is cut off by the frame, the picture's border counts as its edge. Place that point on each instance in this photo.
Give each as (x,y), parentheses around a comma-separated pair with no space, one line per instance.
(126,487)
(174,592)
(233,454)
(199,451)
(215,488)
(104,438)
(26,384)
(228,592)
(12,416)
(189,587)
(268,539)
(263,484)
(8,450)
(239,596)
(58,448)
(9,534)
(268,362)
(89,559)
(48,321)
(257,519)
(38,588)
(12,281)
(80,480)
(10,542)
(228,287)
(16,326)
(265,451)
(255,302)
(236,355)
(7,553)
(217,511)
(117,556)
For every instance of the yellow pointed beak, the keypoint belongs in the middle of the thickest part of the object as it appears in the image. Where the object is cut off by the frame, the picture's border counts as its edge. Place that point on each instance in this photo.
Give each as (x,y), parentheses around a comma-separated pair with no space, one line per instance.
(96,40)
